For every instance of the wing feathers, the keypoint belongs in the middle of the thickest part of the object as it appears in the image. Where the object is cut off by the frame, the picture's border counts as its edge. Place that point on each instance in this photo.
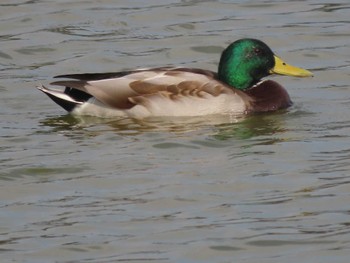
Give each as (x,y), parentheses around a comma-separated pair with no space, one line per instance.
(124,90)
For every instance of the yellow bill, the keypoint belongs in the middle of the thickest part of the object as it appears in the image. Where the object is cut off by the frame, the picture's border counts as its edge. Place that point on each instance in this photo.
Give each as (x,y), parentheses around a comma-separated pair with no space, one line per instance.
(282,68)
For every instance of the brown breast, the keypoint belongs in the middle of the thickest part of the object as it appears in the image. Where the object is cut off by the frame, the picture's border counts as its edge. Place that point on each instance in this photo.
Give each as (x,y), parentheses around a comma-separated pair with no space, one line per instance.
(268,96)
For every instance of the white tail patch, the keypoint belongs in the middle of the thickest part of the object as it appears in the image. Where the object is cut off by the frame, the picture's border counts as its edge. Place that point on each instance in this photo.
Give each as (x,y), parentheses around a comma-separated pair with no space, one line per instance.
(57,93)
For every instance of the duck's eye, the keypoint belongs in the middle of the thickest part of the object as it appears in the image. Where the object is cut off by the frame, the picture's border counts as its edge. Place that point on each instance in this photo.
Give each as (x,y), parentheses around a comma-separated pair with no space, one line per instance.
(257,51)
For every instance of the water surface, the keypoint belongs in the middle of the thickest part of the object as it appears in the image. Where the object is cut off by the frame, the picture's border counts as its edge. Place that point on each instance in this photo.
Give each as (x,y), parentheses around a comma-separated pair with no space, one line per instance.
(265,188)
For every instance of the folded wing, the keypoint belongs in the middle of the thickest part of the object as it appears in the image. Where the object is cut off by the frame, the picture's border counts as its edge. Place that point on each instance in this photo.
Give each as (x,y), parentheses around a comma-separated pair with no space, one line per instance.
(124,90)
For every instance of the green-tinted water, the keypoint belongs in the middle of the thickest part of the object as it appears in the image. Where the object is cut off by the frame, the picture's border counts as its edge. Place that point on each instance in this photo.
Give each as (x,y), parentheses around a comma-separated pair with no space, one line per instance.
(266,188)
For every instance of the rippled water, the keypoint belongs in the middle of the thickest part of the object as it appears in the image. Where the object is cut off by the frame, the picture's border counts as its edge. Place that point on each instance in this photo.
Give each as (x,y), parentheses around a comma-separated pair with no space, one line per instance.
(265,188)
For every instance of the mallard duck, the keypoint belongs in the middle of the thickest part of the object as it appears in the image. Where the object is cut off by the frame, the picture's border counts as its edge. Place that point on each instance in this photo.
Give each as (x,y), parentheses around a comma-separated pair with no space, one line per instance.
(237,87)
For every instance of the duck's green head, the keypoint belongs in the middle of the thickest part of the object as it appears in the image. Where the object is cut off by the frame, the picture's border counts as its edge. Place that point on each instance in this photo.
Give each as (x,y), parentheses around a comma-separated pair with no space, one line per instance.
(246,61)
